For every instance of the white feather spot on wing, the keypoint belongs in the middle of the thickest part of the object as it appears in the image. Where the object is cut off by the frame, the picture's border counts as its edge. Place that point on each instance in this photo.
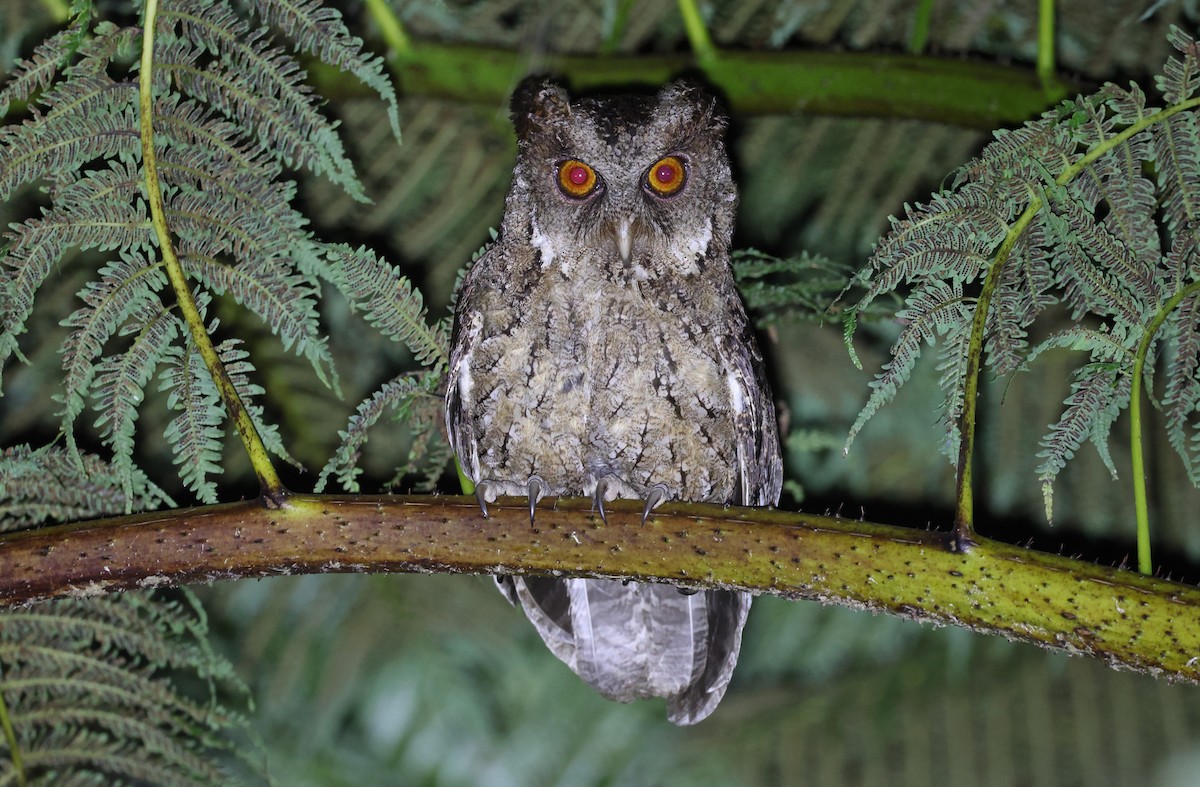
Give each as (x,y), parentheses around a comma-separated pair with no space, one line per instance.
(737,392)
(465,381)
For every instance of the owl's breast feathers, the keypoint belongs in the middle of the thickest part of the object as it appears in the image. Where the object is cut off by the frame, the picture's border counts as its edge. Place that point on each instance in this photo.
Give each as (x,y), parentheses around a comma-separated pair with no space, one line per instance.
(572,377)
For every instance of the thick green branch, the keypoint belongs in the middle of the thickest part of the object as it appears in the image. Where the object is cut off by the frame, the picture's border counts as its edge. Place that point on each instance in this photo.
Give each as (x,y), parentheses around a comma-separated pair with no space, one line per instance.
(947,90)
(1126,619)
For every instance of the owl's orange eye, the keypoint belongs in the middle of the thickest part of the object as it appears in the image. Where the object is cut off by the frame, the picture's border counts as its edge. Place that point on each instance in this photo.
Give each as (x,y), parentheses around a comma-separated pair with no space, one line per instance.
(667,176)
(576,179)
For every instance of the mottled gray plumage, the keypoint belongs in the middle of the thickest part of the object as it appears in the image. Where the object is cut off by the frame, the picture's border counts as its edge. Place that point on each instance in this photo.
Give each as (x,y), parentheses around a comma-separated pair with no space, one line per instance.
(600,348)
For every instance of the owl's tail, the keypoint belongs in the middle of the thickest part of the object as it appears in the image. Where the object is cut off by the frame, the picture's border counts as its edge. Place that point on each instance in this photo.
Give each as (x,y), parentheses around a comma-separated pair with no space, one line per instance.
(634,639)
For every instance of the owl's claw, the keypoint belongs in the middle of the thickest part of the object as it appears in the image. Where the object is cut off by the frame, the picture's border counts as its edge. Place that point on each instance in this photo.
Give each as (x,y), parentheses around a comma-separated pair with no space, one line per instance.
(481,494)
(656,495)
(537,490)
(602,486)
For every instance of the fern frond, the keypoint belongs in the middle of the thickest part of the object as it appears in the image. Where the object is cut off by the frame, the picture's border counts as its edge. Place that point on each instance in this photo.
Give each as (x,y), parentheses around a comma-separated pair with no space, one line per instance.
(1180,78)
(49,484)
(126,285)
(94,693)
(191,126)
(90,117)
(121,379)
(388,300)
(195,433)
(949,237)
(1177,151)
(320,31)
(1018,162)
(1096,271)
(231,110)
(952,365)
(1181,396)
(1098,393)
(801,287)
(1087,231)
(289,127)
(401,395)
(248,215)
(929,313)
(37,72)
(237,363)
(284,300)
(1102,345)
(1025,291)
(429,453)
(1116,178)
(93,214)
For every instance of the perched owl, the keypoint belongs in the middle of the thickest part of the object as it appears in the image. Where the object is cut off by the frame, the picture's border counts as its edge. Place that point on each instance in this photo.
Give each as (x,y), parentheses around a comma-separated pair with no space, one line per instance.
(601,349)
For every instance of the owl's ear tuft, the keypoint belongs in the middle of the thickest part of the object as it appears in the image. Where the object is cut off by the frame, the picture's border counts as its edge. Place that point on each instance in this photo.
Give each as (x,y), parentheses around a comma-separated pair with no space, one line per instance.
(696,106)
(537,102)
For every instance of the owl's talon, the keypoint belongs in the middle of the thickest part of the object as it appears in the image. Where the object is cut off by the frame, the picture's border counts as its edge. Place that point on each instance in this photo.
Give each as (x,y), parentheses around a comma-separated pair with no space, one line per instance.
(602,486)
(537,490)
(657,494)
(481,494)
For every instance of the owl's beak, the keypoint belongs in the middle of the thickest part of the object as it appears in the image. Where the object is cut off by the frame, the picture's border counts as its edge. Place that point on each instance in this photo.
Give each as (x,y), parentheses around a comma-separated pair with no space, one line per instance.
(623,231)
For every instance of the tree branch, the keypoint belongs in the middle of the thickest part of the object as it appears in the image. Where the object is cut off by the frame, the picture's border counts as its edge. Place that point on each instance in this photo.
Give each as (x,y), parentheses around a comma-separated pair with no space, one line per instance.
(960,92)
(1124,618)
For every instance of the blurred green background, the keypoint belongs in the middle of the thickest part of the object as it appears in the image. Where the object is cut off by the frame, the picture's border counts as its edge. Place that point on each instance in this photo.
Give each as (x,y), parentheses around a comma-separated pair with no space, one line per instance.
(435,680)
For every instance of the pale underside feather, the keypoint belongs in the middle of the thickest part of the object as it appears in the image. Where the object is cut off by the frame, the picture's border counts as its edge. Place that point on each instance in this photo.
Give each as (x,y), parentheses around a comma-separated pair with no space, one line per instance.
(635,640)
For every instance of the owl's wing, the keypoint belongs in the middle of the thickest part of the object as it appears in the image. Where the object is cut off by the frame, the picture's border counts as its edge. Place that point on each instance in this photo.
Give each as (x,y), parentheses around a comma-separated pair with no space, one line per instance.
(459,419)
(760,463)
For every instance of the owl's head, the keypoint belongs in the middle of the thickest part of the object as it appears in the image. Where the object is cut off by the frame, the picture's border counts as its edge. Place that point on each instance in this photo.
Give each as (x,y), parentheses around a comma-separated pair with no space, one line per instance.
(638,183)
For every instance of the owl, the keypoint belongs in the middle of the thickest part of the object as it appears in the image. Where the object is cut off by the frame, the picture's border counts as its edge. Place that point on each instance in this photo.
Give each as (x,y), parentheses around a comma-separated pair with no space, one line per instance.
(600,349)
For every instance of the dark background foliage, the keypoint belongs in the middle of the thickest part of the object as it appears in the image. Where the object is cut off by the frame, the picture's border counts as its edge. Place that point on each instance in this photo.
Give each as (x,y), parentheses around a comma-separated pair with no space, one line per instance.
(435,680)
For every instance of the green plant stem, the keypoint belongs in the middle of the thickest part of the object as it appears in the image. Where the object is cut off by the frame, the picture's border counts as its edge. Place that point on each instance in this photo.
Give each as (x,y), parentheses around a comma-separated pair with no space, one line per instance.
(60,10)
(920,32)
(391,28)
(964,508)
(1121,617)
(1140,504)
(272,487)
(1045,52)
(964,512)
(697,33)
(612,39)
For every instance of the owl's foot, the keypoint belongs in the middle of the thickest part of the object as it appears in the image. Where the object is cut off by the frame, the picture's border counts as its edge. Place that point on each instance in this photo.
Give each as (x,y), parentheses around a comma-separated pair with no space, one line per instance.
(655,496)
(487,490)
(610,486)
